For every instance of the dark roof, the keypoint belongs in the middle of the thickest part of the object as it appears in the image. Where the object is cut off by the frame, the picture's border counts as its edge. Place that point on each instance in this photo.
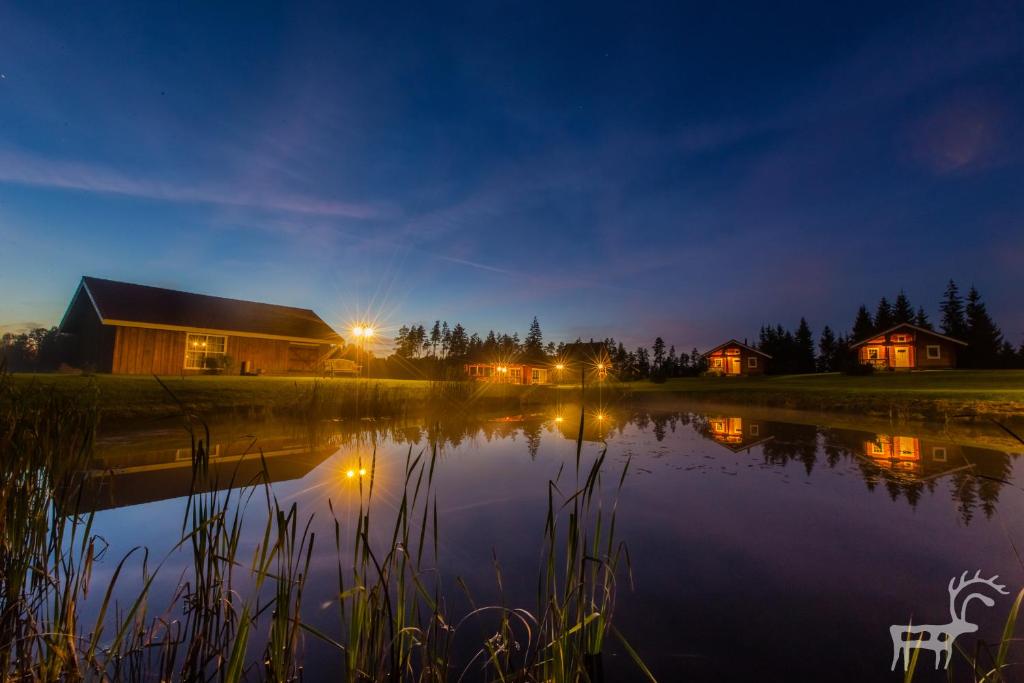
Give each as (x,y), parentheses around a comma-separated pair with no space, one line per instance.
(126,304)
(732,342)
(911,326)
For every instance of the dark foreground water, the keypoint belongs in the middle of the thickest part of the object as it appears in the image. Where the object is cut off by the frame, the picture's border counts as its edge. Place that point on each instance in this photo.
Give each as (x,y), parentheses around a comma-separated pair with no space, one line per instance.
(760,549)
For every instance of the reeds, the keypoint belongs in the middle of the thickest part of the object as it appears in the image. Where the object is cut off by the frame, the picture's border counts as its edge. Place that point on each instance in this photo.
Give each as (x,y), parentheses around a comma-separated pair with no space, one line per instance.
(232,618)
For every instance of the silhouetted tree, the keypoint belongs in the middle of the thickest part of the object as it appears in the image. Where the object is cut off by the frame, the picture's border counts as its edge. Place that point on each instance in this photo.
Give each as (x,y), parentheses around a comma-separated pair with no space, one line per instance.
(921,319)
(533,345)
(902,312)
(982,335)
(952,307)
(827,361)
(884,316)
(863,325)
(804,348)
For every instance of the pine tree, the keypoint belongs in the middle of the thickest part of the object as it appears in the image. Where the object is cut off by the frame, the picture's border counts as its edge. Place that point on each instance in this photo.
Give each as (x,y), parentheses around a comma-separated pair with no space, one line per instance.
(699,363)
(863,325)
(952,307)
(672,362)
(921,319)
(659,355)
(446,339)
(533,345)
(435,337)
(827,351)
(803,350)
(884,316)
(902,312)
(643,362)
(982,335)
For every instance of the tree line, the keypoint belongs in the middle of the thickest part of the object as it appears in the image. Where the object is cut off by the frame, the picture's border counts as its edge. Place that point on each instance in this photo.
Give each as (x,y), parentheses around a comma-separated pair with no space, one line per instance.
(964,319)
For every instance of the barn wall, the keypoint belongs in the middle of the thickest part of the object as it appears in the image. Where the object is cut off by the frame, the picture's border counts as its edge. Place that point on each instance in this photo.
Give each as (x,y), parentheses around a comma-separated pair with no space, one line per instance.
(138,350)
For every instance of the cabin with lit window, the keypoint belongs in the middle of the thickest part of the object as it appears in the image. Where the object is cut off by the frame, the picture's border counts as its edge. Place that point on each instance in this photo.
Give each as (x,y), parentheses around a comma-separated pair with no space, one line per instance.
(733,359)
(908,347)
(735,433)
(509,373)
(125,328)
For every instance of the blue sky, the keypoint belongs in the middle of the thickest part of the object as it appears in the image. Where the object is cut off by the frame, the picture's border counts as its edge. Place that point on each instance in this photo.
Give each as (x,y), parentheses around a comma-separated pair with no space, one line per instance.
(688,171)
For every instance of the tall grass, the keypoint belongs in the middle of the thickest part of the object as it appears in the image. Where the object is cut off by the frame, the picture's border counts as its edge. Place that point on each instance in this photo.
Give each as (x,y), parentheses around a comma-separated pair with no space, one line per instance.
(232,617)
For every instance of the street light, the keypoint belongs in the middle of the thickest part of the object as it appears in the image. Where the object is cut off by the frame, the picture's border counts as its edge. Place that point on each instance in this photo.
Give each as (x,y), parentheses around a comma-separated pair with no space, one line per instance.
(362,333)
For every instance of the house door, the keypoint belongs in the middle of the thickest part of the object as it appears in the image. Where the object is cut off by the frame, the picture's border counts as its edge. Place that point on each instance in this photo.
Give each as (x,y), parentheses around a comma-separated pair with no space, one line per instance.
(901,356)
(515,375)
(732,365)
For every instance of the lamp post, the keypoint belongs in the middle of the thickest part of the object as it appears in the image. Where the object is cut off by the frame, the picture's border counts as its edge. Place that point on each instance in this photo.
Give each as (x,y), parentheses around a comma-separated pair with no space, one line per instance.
(362,333)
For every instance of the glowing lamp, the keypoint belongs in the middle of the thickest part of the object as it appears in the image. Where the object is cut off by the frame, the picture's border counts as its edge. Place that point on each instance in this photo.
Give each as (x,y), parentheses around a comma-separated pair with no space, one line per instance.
(560,366)
(350,474)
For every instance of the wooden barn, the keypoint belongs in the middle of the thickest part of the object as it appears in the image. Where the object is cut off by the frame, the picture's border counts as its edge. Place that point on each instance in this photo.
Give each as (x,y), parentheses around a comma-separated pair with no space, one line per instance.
(126,328)
(908,347)
(734,358)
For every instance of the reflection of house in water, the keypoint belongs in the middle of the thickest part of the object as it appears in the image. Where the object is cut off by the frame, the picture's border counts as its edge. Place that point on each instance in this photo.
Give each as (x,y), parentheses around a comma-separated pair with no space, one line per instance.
(130,475)
(737,434)
(909,455)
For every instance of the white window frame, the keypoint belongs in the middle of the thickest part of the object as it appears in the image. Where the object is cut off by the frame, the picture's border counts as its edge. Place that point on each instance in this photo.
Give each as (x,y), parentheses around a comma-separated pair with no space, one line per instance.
(928,351)
(939,453)
(874,350)
(716,362)
(198,349)
(751,362)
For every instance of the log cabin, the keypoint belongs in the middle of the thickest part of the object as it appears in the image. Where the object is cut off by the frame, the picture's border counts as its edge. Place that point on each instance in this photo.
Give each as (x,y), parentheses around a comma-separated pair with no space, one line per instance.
(908,347)
(125,328)
(733,359)
(509,373)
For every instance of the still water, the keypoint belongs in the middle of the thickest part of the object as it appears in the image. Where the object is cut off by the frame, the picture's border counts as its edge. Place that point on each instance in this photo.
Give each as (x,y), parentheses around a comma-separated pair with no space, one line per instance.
(760,548)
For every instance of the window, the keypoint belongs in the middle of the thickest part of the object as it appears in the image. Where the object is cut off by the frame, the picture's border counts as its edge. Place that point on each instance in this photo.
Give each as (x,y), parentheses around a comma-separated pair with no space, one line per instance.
(939,454)
(535,375)
(872,354)
(716,362)
(901,338)
(751,361)
(755,430)
(933,351)
(200,348)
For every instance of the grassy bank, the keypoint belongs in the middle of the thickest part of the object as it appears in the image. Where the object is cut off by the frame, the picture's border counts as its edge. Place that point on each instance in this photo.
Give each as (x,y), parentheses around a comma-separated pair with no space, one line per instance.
(940,396)
(905,396)
(122,397)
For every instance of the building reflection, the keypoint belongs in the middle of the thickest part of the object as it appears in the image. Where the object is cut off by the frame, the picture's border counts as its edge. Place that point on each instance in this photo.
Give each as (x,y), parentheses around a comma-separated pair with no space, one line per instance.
(736,434)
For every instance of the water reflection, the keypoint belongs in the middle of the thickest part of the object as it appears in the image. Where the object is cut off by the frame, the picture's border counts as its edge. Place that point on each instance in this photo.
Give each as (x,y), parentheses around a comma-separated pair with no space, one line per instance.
(131,469)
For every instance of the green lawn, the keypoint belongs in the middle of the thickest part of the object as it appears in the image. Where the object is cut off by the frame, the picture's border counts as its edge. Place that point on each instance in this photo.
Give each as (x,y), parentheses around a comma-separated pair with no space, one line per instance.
(926,395)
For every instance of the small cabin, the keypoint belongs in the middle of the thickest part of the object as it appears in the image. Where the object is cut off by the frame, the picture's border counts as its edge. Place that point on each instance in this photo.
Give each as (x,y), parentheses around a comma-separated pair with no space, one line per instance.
(908,347)
(508,373)
(733,359)
(125,328)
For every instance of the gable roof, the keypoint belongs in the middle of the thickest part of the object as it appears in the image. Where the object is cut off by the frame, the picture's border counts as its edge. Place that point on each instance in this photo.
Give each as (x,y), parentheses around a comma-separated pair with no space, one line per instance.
(130,305)
(733,342)
(911,326)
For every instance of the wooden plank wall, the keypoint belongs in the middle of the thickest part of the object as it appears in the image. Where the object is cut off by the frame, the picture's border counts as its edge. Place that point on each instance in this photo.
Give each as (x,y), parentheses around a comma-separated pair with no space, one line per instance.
(143,351)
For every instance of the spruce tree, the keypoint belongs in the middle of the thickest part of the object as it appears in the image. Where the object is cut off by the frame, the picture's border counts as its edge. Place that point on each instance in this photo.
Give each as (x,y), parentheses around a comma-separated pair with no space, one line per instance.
(803,348)
(902,312)
(952,307)
(827,350)
(863,325)
(921,319)
(884,315)
(982,335)
(658,360)
(533,345)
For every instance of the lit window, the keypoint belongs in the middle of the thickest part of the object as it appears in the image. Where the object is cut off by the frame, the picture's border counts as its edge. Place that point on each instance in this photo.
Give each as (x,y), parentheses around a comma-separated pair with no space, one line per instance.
(901,338)
(716,363)
(933,351)
(751,361)
(202,350)
(872,354)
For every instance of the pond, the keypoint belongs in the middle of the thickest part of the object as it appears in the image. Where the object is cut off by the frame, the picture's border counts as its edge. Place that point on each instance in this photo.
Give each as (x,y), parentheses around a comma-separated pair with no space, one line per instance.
(760,547)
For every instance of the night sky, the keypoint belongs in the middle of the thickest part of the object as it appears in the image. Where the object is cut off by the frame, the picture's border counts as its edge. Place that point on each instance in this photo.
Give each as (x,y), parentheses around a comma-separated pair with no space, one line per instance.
(624,169)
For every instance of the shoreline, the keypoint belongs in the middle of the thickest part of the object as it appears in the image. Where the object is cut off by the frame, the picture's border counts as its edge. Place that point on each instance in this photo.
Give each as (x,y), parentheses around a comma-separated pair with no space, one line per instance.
(960,396)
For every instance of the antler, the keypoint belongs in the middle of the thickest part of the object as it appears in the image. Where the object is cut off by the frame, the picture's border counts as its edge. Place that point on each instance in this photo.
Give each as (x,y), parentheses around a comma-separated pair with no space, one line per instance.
(956,586)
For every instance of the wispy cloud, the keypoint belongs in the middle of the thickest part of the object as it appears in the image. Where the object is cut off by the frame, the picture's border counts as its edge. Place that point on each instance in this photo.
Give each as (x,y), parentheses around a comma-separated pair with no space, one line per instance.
(29,169)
